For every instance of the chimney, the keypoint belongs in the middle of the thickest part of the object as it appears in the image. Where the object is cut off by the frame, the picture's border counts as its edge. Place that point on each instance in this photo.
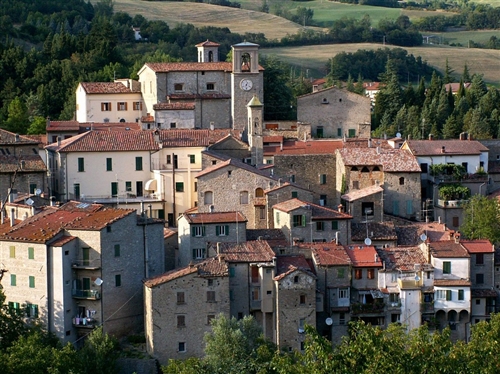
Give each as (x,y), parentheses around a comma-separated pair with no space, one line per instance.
(443,149)
(12,220)
(345,137)
(439,219)
(431,137)
(463,136)
(469,136)
(378,150)
(457,237)
(409,137)
(212,125)
(142,208)
(12,195)
(58,141)
(218,249)
(369,142)
(156,136)
(340,208)
(47,122)
(337,237)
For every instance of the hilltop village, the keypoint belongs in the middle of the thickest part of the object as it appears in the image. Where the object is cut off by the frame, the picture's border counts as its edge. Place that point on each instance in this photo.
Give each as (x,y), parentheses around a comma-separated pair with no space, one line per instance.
(169,200)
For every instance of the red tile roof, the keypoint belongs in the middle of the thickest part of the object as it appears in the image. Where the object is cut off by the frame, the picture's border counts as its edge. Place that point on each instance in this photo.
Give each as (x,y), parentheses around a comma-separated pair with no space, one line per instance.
(61,241)
(391,160)
(215,217)
(286,265)
(310,147)
(403,258)
(107,88)
(328,254)
(208,43)
(366,143)
(448,249)
(478,246)
(174,106)
(318,212)
(283,185)
(192,96)
(372,86)
(251,251)
(363,256)
(452,147)
(9,138)
(364,192)
(23,164)
(272,139)
(52,222)
(377,231)
(211,267)
(167,67)
(451,282)
(193,137)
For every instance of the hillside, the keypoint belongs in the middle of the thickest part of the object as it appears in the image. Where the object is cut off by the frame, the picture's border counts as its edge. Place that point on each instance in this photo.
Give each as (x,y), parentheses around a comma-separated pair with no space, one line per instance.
(484,61)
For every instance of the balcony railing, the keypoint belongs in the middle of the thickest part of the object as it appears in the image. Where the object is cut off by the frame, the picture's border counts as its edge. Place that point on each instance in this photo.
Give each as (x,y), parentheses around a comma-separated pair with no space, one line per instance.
(374,308)
(87,264)
(410,282)
(391,305)
(451,203)
(427,307)
(86,294)
(86,323)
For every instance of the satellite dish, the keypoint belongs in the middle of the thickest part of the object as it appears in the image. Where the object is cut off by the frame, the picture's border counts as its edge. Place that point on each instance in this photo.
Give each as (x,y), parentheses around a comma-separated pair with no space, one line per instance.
(38,192)
(398,135)
(329,321)
(98,282)
(30,202)
(423,237)
(368,241)
(417,278)
(301,331)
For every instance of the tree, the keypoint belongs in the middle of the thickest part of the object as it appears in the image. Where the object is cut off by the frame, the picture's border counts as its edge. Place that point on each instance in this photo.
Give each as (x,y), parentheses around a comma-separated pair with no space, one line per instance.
(484,341)
(447,73)
(37,126)
(11,321)
(99,353)
(278,97)
(482,219)
(17,120)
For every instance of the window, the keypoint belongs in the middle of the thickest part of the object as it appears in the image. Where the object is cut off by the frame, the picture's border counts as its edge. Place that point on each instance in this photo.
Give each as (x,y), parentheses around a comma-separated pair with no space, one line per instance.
(343,293)
(182,347)
(31,281)
(118,280)
(32,310)
(296,279)
(401,181)
(294,194)
(209,198)
(335,225)
(117,250)
(255,294)
(292,178)
(448,295)
(320,226)
(424,167)
(277,218)
(114,188)
(198,231)
(322,200)
(13,280)
(322,179)
(479,258)
(122,106)
(232,272)
(446,267)
(210,86)
(109,164)
(210,317)
(367,208)
(179,186)
(211,296)
(244,197)
(173,125)
(31,253)
(138,163)
(198,253)
(210,282)
(370,273)
(441,294)
(32,187)
(222,230)
(259,192)
(342,318)
(358,273)
(180,298)
(178,87)
(351,132)
(478,301)
(455,221)
(299,220)
(302,299)
(192,159)
(14,305)
(181,321)
(81,164)
(137,105)
(105,107)
(169,159)
(461,295)
(355,185)
(319,132)
(262,213)
(479,278)
(340,273)
(128,186)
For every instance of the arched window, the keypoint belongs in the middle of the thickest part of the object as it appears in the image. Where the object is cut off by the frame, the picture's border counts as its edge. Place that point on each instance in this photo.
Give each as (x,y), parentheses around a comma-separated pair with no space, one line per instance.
(209,198)
(246,61)
(259,192)
(210,56)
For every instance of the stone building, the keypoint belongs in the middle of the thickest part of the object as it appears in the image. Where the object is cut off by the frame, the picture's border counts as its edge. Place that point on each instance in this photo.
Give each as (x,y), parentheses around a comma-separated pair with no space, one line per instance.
(395,170)
(306,222)
(179,305)
(335,113)
(72,268)
(196,230)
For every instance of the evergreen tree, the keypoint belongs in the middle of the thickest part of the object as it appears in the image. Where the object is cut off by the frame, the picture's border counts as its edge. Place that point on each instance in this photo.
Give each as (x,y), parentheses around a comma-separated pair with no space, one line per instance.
(350,83)
(482,219)
(466,74)
(451,128)
(447,73)
(358,87)
(17,120)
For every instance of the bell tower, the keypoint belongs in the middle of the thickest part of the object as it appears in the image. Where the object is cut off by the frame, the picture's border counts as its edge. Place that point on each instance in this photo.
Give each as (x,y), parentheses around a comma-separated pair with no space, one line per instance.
(255,111)
(208,51)
(246,82)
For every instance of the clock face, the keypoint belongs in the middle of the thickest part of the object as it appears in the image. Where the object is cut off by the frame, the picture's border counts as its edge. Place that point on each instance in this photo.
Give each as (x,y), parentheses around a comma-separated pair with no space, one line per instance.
(246,84)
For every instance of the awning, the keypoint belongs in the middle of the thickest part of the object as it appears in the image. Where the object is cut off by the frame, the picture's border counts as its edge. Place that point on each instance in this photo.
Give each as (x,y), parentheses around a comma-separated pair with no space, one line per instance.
(151,185)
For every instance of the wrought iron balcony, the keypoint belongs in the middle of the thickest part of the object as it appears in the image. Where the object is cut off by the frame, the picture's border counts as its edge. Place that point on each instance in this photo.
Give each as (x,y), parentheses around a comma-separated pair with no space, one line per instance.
(86,294)
(87,264)
(373,308)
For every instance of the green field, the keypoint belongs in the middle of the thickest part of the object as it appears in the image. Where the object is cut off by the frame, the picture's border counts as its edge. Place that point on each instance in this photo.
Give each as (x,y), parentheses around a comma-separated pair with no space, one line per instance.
(463,37)
(312,60)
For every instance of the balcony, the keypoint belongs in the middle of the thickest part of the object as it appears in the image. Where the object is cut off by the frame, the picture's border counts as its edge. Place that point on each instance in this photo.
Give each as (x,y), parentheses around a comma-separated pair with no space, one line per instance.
(86,294)
(394,305)
(85,323)
(451,203)
(373,308)
(410,282)
(87,264)
(427,307)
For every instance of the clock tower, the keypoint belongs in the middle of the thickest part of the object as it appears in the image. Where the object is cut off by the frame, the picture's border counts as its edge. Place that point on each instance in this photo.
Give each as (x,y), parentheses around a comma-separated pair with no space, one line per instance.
(246,82)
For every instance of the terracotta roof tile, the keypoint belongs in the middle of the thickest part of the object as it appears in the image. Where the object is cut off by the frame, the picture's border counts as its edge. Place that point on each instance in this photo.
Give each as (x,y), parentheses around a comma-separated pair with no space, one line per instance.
(310,147)
(451,282)
(208,43)
(107,88)
(190,96)
(251,251)
(372,86)
(167,67)
(9,138)
(391,160)
(478,293)
(455,147)
(240,165)
(376,231)
(366,143)
(478,246)
(174,106)
(286,265)
(274,237)
(364,192)
(410,232)
(215,217)
(63,240)
(23,163)
(193,137)
(283,185)
(403,258)
(167,233)
(448,249)
(328,254)
(363,256)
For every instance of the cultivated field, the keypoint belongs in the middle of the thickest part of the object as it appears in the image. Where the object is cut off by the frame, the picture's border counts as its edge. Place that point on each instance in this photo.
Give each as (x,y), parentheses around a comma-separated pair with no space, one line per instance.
(315,58)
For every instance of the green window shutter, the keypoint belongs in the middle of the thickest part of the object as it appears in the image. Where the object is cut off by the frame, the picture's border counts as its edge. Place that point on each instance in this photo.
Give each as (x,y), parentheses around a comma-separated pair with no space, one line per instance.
(192,231)
(192,159)
(117,250)
(339,131)
(226,229)
(335,225)
(460,294)
(28,310)
(446,267)
(322,179)
(32,281)
(448,295)
(231,272)
(138,163)
(194,253)
(217,230)
(13,280)
(303,220)
(109,164)
(31,253)
(81,164)
(202,230)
